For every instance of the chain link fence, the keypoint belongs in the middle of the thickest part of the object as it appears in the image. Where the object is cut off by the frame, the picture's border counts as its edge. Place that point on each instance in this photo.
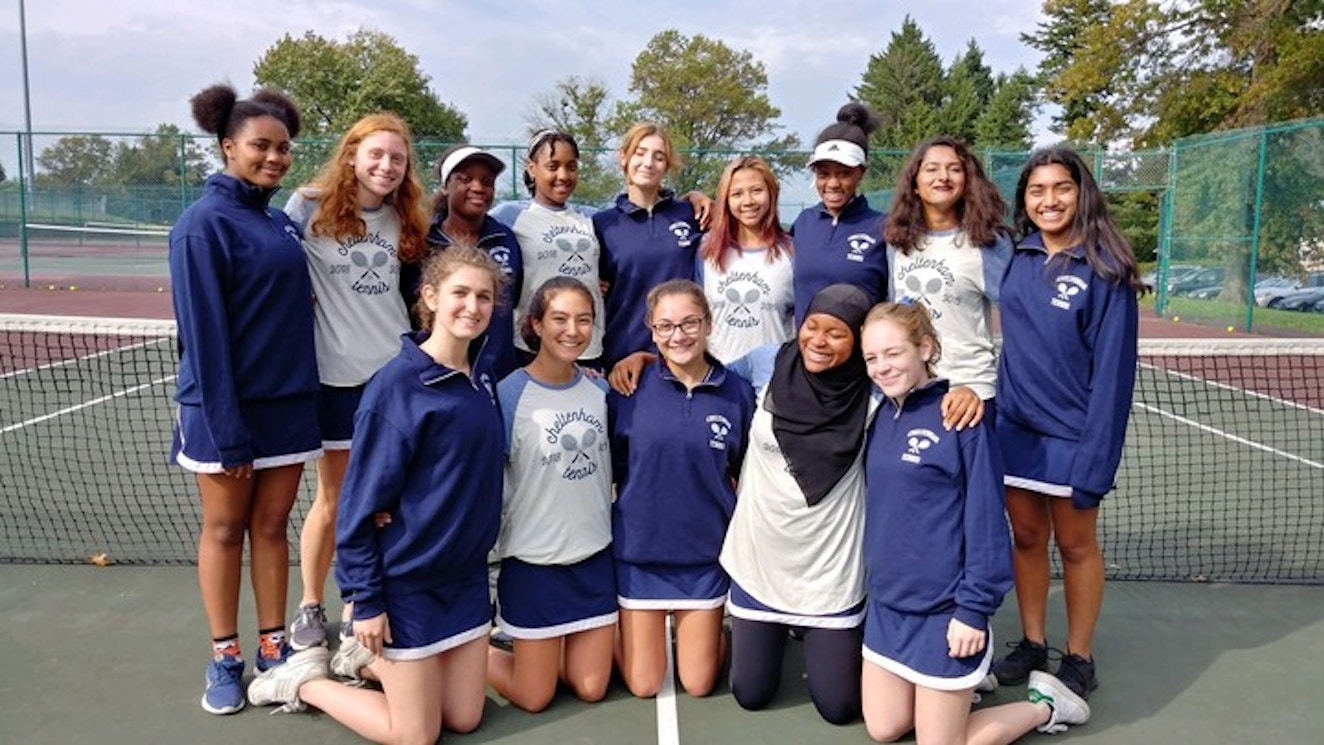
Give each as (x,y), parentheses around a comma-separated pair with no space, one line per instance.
(1233,221)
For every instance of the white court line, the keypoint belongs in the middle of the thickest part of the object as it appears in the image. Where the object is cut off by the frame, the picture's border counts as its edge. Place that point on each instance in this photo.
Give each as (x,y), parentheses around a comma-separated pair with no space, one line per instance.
(1229,436)
(668,722)
(74,360)
(1237,389)
(85,404)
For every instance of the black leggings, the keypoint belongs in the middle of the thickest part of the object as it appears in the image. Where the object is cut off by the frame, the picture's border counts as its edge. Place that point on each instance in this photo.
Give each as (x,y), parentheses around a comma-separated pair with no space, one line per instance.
(832,661)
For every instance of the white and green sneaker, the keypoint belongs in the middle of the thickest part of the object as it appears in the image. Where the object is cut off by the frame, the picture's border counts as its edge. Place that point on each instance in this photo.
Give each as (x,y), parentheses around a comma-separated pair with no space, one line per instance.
(1064,705)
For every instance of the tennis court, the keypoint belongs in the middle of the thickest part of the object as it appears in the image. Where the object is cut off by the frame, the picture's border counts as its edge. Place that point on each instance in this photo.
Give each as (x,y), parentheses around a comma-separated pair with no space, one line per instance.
(1222,482)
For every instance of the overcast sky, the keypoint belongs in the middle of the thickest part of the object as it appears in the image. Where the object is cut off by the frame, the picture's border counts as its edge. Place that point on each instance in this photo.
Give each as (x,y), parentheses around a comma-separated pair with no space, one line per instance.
(132,64)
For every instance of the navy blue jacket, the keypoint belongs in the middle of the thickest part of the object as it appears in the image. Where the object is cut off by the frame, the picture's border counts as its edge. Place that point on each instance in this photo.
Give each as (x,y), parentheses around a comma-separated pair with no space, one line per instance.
(675,457)
(848,248)
(1068,362)
(641,249)
(499,243)
(244,308)
(936,539)
(428,444)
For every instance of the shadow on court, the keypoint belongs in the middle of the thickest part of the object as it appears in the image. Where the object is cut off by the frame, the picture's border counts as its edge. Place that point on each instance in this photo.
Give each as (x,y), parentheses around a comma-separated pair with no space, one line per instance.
(117,655)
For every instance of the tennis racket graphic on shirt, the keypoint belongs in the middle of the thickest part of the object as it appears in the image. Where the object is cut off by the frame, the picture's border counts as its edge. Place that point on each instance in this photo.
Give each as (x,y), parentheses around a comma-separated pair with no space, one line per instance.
(573,251)
(378,261)
(580,449)
(742,304)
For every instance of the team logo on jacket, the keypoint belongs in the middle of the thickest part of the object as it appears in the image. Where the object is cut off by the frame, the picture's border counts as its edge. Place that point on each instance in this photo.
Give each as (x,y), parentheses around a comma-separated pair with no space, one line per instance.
(718,426)
(917,441)
(681,230)
(293,233)
(574,441)
(485,381)
(1068,286)
(501,255)
(858,245)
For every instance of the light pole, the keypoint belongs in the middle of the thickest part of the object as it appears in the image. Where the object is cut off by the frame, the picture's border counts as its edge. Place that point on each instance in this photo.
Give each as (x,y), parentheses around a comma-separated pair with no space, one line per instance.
(27,101)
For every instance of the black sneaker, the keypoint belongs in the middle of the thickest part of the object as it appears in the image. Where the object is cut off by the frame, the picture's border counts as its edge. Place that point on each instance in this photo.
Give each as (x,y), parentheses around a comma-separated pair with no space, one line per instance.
(1077,673)
(1025,656)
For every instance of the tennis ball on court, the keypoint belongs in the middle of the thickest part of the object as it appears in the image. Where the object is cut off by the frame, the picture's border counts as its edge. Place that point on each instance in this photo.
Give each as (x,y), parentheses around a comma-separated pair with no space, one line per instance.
(160,289)
(1176,319)
(1229,329)
(72,288)
(52,287)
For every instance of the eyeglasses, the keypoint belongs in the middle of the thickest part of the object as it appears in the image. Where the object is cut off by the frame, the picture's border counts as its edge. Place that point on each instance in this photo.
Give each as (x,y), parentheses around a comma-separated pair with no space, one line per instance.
(690,326)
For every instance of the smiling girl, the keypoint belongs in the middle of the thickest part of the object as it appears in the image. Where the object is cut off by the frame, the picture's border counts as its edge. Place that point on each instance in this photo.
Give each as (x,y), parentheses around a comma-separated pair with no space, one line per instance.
(746,262)
(938,556)
(427,453)
(245,427)
(676,448)
(362,219)
(1065,379)
(556,596)
(648,236)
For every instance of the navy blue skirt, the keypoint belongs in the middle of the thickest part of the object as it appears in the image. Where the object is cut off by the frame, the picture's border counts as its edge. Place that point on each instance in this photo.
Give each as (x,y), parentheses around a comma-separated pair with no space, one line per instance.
(671,587)
(538,601)
(914,647)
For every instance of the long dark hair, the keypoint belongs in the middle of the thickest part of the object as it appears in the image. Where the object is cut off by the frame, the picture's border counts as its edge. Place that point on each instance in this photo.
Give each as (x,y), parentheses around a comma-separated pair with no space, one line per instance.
(980,210)
(1108,252)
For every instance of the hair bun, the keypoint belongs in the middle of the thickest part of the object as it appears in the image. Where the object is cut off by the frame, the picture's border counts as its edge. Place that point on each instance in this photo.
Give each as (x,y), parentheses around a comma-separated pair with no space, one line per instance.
(212,107)
(859,115)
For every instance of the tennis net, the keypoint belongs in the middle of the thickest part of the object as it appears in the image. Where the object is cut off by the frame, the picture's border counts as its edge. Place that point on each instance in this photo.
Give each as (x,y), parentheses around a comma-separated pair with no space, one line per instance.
(1222,478)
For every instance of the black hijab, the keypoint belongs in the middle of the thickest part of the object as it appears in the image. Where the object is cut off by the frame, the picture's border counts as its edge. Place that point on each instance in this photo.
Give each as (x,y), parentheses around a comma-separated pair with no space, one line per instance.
(819,418)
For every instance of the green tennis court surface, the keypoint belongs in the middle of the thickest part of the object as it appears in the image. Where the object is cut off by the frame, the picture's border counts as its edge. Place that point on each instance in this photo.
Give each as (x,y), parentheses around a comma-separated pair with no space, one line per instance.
(116,655)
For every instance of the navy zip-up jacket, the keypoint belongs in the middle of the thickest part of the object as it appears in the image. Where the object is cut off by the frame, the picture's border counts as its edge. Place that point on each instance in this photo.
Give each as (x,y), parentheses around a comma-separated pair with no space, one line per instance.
(428,444)
(1068,362)
(243,308)
(675,456)
(499,243)
(848,248)
(641,249)
(936,539)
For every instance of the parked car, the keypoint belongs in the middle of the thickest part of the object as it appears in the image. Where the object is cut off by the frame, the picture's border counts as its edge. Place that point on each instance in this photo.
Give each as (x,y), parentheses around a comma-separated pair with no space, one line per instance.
(1269,288)
(1206,293)
(1303,299)
(1175,272)
(1205,276)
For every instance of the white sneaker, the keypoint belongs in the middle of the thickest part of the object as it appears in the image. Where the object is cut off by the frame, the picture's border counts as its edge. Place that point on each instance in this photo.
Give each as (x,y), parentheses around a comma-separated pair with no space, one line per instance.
(350,659)
(280,685)
(988,685)
(1064,705)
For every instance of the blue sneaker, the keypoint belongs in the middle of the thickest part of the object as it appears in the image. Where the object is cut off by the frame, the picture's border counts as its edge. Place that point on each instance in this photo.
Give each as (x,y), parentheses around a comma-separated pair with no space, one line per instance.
(271,655)
(225,687)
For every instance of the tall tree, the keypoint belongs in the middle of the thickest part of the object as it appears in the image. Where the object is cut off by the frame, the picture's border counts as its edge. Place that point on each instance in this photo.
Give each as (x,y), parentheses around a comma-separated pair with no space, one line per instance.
(711,98)
(77,160)
(164,157)
(335,83)
(1152,71)
(1062,36)
(581,107)
(1004,122)
(904,86)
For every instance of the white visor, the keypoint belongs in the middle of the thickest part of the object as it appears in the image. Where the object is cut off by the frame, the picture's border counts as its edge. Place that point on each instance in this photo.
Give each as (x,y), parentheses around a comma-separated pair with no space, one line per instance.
(839,151)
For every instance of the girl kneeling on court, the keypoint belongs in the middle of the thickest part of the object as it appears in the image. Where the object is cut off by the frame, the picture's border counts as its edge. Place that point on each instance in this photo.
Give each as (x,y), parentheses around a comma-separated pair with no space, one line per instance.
(556,596)
(937,556)
(676,447)
(427,452)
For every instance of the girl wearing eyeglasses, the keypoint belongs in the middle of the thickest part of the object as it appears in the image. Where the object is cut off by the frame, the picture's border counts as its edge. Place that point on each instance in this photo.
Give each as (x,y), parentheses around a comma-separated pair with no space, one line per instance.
(676,444)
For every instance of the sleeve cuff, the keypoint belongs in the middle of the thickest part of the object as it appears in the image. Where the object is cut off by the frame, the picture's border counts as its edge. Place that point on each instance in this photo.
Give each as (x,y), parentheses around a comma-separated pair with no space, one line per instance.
(970,617)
